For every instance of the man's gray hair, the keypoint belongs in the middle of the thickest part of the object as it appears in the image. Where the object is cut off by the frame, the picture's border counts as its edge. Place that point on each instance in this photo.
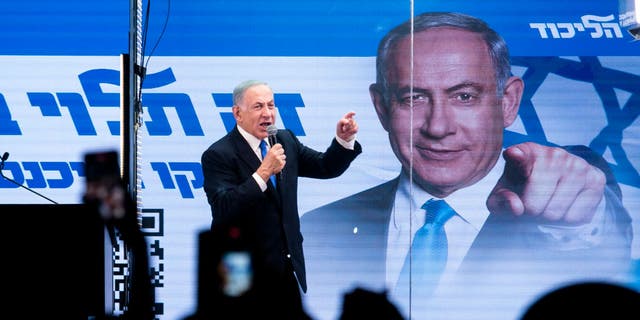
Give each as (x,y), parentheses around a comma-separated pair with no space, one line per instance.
(240,89)
(498,50)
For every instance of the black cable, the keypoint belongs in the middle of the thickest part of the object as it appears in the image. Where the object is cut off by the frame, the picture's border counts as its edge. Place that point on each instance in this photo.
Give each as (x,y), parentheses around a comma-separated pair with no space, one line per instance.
(144,42)
(164,28)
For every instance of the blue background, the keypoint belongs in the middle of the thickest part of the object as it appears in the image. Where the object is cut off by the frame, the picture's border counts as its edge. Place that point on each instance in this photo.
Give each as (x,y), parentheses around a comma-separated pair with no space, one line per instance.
(279,27)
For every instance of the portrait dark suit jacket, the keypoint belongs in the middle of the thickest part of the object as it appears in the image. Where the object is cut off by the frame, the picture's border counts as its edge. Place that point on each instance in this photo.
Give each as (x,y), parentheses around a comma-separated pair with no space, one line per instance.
(349,238)
(269,218)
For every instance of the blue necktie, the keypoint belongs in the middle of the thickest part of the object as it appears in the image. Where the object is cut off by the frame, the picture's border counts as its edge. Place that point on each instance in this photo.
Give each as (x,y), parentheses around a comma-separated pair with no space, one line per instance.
(263,151)
(428,256)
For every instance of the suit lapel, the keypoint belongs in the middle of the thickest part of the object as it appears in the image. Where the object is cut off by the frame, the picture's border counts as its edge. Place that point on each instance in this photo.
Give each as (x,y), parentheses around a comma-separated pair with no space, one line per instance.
(248,157)
(244,151)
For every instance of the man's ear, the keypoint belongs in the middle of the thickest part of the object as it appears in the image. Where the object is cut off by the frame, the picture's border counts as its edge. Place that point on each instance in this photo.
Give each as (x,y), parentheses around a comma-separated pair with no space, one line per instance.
(382,109)
(236,112)
(511,100)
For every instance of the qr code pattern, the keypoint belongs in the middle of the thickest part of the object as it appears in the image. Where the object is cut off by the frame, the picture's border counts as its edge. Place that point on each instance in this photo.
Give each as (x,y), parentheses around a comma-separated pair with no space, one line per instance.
(152,225)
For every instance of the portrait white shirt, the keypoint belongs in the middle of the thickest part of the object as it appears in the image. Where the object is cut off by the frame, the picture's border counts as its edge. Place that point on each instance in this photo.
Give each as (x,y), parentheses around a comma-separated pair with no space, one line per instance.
(462,229)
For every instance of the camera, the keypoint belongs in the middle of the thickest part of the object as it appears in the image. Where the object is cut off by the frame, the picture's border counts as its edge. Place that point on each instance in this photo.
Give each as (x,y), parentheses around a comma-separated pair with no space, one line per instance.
(629,17)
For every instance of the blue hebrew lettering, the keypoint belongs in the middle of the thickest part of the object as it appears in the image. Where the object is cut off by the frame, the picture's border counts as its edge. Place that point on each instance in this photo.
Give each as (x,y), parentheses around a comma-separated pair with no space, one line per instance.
(66,178)
(7,126)
(91,82)
(225,100)
(159,125)
(79,113)
(156,102)
(287,104)
(37,177)
(73,101)
(183,183)
(16,173)
(164,174)
(77,167)
(46,102)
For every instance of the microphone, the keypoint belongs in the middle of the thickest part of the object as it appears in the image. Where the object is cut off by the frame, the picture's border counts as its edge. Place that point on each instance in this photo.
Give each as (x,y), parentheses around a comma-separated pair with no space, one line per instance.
(5,156)
(271,131)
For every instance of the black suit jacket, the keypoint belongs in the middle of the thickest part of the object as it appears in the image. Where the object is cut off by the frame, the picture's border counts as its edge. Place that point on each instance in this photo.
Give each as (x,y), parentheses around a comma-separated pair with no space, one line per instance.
(349,238)
(269,218)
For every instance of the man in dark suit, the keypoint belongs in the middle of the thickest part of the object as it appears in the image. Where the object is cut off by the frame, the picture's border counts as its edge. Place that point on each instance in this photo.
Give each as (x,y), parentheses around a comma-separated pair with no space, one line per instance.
(535,217)
(241,194)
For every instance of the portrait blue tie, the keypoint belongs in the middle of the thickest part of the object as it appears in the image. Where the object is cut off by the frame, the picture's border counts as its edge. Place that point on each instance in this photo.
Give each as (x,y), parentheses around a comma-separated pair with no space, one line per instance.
(263,151)
(428,255)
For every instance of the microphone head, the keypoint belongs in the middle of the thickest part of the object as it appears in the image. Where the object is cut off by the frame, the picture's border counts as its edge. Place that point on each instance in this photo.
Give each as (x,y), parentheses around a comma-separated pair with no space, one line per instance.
(5,156)
(272,130)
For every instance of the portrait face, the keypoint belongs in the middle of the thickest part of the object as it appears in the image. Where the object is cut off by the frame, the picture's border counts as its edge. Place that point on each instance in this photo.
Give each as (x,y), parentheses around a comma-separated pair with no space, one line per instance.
(451,124)
(256,111)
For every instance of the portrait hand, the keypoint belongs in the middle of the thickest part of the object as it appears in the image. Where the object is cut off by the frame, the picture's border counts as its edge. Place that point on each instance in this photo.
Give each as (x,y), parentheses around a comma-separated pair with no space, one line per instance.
(347,127)
(548,183)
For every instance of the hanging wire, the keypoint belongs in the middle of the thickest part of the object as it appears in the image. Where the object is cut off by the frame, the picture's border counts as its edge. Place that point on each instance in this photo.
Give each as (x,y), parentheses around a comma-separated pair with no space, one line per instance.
(144,41)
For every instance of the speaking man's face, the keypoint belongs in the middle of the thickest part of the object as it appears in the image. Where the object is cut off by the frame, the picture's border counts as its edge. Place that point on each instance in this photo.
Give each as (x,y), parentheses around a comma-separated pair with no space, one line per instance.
(451,124)
(256,111)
